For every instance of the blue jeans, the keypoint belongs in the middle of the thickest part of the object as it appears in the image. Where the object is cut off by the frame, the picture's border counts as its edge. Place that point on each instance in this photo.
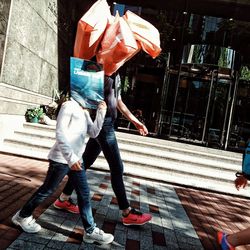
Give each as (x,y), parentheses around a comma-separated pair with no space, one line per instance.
(106,142)
(55,175)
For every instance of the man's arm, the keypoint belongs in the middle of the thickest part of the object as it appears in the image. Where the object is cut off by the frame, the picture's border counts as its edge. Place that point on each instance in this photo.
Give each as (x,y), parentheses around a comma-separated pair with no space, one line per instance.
(126,112)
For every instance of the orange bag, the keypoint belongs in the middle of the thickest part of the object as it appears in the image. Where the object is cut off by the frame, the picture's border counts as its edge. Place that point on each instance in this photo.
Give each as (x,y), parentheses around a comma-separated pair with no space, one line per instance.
(145,33)
(90,30)
(117,46)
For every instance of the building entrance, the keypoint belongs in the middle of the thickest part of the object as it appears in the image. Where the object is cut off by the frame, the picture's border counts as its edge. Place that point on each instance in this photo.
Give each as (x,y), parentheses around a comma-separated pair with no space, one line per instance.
(199,110)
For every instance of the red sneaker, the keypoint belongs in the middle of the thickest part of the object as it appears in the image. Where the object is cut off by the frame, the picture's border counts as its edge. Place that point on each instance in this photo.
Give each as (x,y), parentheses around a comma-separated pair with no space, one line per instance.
(136,218)
(67,205)
(222,240)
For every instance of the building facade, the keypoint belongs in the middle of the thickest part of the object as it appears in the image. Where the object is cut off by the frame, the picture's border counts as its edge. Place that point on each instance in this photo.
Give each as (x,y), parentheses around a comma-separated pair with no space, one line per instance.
(29,56)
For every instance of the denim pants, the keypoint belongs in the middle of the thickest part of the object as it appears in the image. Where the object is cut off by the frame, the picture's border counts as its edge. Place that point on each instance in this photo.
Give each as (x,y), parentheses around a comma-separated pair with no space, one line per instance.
(106,142)
(55,175)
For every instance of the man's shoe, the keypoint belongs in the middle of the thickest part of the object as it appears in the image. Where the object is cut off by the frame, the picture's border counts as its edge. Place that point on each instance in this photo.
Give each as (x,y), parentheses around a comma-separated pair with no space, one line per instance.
(136,218)
(98,236)
(222,240)
(67,205)
(28,224)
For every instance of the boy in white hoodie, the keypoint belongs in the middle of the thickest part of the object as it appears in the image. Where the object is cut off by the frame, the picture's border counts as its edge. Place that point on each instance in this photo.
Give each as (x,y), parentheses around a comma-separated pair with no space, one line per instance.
(65,158)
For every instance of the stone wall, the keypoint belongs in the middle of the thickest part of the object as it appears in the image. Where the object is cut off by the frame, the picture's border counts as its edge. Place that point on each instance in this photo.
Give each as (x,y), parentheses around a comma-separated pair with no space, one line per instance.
(30,63)
(4,15)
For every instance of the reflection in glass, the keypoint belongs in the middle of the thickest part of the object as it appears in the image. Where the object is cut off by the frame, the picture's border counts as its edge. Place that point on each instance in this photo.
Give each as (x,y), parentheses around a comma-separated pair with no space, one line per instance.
(208,54)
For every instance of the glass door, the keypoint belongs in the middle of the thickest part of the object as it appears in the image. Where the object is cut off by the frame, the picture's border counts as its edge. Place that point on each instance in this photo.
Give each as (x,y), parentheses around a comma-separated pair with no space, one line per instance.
(199,111)
(218,113)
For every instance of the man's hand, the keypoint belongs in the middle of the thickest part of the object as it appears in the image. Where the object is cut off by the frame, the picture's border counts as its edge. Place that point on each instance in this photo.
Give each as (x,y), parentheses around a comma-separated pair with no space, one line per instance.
(130,117)
(141,128)
(240,182)
(76,166)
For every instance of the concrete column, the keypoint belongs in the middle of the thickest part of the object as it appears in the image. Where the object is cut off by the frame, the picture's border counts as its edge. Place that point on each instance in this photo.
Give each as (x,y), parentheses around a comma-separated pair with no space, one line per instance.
(29,72)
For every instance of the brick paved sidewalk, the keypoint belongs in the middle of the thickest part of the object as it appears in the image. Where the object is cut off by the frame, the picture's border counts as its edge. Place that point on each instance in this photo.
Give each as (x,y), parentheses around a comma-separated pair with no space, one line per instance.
(173,209)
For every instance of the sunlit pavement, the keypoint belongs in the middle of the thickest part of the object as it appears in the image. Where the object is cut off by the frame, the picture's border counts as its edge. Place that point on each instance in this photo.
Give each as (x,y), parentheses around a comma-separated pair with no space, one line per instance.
(183,218)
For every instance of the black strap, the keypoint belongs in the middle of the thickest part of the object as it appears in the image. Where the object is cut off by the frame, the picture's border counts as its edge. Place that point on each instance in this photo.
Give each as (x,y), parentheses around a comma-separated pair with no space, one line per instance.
(239,174)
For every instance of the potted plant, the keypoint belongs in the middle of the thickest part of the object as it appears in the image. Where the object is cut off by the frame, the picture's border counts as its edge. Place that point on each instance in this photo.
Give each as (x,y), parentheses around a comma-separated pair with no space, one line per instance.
(34,114)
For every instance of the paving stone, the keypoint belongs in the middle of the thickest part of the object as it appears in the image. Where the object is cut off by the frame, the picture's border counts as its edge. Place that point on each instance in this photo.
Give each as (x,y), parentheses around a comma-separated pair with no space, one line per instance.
(117,247)
(189,247)
(55,244)
(120,237)
(144,206)
(167,223)
(79,224)
(95,204)
(120,226)
(146,243)
(133,233)
(84,246)
(53,219)
(70,246)
(184,238)
(103,210)
(171,246)
(156,223)
(159,247)
(51,211)
(109,226)
(44,233)
(72,217)
(146,229)
(27,245)
(99,220)
(61,237)
(113,214)
(68,225)
(132,244)
(41,237)
(106,201)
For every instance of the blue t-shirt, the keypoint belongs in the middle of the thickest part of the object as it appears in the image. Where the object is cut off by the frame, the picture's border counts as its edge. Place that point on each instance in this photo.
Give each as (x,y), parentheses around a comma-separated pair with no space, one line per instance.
(112,93)
(246,162)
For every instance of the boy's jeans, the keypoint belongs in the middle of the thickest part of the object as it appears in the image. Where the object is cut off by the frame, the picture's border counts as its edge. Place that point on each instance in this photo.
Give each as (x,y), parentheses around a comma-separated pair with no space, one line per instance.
(55,175)
(106,141)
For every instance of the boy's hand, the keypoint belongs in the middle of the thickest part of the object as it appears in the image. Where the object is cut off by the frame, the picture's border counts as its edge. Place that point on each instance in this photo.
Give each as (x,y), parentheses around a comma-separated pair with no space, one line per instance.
(76,166)
(240,182)
(102,105)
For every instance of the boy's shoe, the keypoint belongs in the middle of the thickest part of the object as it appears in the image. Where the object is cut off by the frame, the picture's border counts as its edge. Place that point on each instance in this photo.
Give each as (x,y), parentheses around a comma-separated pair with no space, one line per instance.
(28,224)
(136,218)
(222,240)
(98,236)
(67,205)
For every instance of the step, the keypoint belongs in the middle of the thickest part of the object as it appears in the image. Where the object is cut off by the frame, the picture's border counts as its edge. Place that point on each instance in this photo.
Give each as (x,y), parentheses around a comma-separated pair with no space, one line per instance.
(29,143)
(178,145)
(181,178)
(187,168)
(162,151)
(139,161)
(22,151)
(160,155)
(147,157)
(148,140)
(183,150)
(155,157)
(152,143)
(34,136)
(39,126)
